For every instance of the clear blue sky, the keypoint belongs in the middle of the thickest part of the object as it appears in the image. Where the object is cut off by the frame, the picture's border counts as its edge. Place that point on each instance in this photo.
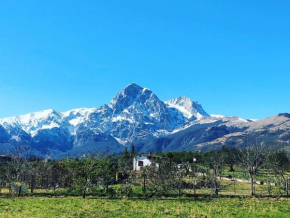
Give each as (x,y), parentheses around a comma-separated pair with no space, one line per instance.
(231,56)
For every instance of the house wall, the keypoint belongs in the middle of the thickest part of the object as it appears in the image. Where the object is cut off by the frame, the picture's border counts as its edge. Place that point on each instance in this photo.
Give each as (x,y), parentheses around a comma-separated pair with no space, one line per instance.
(146,162)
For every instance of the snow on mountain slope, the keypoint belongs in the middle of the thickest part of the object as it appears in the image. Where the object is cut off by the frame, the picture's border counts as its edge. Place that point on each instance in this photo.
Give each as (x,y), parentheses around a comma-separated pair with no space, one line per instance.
(30,123)
(47,119)
(135,114)
(76,116)
(217,116)
(213,133)
(134,110)
(187,107)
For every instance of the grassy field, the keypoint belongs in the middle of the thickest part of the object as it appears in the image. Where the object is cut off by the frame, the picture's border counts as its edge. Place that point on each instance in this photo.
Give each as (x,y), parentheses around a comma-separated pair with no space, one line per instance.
(229,204)
(78,207)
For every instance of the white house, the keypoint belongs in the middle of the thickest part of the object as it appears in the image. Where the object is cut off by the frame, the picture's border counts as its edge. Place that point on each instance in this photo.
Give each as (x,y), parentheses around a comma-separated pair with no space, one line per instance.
(143,160)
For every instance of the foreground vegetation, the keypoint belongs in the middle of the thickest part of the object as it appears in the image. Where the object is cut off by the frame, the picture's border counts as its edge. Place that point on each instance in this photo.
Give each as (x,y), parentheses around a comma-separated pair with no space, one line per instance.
(98,185)
(90,207)
(113,176)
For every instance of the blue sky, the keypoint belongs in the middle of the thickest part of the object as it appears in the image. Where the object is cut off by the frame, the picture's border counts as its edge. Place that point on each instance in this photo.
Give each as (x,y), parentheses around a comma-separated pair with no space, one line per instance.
(231,56)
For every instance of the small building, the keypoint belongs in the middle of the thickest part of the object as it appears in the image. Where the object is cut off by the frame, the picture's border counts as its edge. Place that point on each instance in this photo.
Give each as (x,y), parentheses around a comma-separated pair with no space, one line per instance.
(143,160)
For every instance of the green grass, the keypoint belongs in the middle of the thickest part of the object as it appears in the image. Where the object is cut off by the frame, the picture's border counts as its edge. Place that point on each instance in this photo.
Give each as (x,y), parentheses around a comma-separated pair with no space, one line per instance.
(78,207)
(228,204)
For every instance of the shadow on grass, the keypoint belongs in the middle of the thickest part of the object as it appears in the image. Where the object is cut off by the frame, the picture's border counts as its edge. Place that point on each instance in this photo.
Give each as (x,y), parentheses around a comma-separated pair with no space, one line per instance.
(168,197)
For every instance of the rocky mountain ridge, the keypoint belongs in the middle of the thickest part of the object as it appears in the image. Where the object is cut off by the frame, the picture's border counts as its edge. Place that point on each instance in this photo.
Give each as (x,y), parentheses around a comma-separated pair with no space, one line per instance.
(136,115)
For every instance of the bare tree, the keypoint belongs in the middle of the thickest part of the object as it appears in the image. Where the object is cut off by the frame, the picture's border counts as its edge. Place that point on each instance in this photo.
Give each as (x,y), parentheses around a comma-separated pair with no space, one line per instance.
(216,162)
(59,176)
(83,171)
(18,169)
(161,178)
(279,164)
(251,159)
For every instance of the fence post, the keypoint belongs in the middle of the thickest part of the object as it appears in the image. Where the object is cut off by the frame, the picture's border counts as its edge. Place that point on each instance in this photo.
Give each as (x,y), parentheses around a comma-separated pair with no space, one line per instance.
(144,184)
(287,186)
(234,183)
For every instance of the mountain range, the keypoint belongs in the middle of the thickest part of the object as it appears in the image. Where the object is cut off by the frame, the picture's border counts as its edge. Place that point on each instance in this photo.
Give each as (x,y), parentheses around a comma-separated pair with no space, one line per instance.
(136,115)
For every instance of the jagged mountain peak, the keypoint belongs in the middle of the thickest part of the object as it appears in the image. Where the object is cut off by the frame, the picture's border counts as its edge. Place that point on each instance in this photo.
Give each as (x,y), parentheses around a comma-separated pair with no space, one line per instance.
(131,94)
(28,118)
(79,111)
(133,85)
(182,101)
(187,107)
(136,114)
(181,98)
(133,90)
(33,122)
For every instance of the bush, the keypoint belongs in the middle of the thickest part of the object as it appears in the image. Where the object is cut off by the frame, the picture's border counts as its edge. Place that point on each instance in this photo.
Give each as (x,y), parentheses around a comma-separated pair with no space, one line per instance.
(111,192)
(126,190)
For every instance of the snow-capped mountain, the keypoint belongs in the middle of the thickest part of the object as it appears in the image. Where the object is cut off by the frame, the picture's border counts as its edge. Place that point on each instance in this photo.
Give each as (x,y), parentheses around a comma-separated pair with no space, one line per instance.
(136,115)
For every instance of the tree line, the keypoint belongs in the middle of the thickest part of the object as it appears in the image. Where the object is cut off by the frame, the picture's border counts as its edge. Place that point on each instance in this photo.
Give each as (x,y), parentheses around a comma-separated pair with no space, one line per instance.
(113,175)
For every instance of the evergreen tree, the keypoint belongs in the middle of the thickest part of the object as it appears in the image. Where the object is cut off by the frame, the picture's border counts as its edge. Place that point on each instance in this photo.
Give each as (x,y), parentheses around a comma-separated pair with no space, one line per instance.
(125,153)
(132,152)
